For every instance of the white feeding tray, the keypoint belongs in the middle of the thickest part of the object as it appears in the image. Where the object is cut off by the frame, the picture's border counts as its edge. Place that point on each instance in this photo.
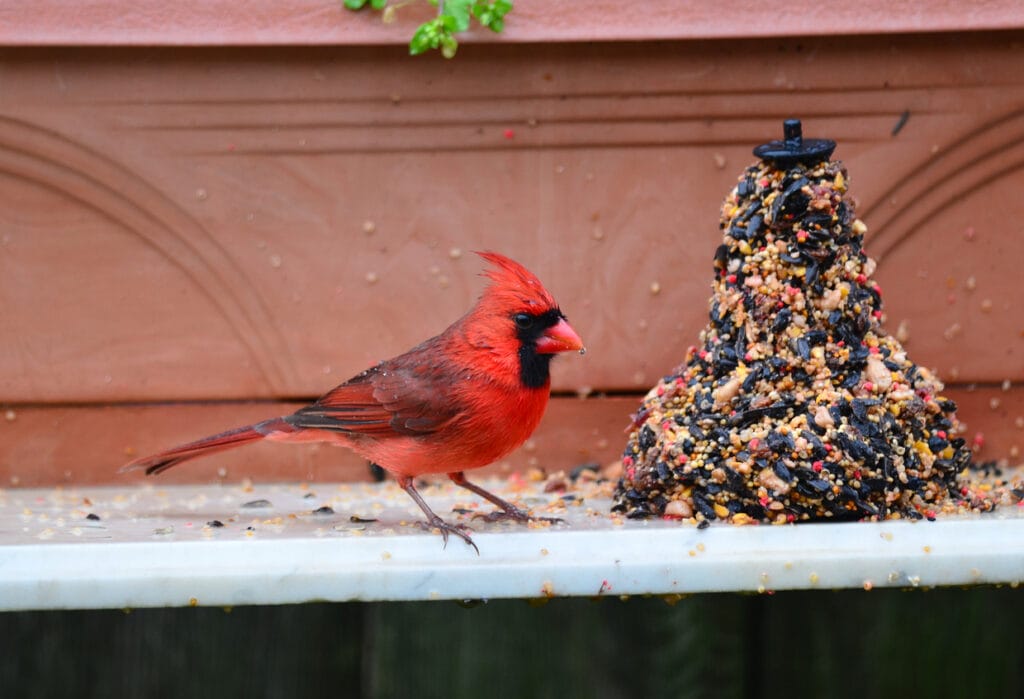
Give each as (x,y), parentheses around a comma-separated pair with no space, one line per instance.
(159,546)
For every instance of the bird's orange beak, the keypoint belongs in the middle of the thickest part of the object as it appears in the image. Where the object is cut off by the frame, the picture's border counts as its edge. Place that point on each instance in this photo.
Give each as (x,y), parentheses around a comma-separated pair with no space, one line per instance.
(560,337)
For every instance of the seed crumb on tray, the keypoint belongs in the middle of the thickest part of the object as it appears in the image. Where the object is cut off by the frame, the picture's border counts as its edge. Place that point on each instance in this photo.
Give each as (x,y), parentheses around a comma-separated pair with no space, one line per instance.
(796,405)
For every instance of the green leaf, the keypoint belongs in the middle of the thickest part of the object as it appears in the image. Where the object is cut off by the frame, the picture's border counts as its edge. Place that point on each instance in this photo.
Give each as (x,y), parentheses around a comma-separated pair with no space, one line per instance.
(447,23)
(424,39)
(377,4)
(491,14)
(459,10)
(355,4)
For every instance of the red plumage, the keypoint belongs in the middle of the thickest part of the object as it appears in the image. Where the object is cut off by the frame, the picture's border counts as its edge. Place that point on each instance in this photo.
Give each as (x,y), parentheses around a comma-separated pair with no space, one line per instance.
(458,401)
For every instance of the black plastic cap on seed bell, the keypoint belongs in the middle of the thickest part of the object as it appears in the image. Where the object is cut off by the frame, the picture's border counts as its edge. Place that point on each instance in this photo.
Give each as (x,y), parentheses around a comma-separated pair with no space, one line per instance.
(794,149)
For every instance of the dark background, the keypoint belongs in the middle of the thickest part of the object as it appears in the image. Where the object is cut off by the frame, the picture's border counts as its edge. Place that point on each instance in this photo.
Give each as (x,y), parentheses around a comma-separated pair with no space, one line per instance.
(918,643)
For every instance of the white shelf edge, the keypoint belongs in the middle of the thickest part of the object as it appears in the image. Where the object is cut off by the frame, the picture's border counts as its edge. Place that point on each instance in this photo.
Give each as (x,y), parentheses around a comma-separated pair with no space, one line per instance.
(320,559)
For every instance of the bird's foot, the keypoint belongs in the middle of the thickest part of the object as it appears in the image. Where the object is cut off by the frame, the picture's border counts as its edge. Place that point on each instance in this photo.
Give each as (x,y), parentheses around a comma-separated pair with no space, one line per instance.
(445,528)
(515,514)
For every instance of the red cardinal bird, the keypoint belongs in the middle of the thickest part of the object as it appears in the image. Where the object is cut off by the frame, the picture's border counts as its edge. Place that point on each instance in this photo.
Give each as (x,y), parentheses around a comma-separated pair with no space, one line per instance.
(458,401)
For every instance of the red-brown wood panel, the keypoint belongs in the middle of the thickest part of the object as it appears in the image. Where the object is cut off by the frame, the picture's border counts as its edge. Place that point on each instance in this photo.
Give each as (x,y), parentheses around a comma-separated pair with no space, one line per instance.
(77,445)
(88,444)
(237,224)
(309,22)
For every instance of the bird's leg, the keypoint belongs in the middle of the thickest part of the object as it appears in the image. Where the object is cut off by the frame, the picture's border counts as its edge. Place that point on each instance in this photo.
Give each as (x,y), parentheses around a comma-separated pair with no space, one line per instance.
(507,511)
(433,521)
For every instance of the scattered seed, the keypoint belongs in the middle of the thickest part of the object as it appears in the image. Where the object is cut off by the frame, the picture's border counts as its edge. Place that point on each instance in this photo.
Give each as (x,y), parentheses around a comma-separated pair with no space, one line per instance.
(255,504)
(901,122)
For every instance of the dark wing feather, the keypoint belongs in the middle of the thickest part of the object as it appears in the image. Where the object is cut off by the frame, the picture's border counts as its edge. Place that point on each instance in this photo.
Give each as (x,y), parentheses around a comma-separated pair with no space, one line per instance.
(397,397)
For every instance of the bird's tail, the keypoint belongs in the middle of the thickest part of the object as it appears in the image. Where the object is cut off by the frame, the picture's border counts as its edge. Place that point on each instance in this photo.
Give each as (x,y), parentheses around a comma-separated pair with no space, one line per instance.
(158,463)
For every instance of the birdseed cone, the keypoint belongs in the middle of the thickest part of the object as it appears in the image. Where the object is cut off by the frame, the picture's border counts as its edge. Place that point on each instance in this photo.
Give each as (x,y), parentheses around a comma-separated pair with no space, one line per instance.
(796,405)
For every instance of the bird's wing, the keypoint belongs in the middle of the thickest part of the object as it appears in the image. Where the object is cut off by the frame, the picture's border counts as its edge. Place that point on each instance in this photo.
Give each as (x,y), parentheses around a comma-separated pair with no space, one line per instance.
(392,398)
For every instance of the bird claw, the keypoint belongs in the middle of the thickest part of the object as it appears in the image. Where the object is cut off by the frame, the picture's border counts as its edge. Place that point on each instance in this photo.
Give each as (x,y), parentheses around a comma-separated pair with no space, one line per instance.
(445,529)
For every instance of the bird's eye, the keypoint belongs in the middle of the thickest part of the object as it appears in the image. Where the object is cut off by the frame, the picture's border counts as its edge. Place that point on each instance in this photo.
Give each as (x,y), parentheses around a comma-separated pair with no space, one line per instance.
(523,320)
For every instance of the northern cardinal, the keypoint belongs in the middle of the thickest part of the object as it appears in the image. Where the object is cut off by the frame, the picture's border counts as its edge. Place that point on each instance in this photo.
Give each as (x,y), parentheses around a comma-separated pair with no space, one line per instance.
(458,401)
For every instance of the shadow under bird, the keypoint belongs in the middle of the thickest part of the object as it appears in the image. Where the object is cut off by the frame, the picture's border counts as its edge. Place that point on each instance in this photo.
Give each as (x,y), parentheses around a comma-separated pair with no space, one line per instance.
(458,401)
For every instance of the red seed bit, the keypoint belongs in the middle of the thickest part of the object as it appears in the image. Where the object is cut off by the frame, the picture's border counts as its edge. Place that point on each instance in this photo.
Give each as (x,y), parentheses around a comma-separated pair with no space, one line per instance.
(731,279)
(979,440)
(509,134)
(868,386)
(817,466)
(874,350)
(861,278)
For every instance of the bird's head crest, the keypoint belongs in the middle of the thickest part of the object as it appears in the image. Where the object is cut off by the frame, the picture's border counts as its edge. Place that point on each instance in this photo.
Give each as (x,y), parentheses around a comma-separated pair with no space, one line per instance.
(515,286)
